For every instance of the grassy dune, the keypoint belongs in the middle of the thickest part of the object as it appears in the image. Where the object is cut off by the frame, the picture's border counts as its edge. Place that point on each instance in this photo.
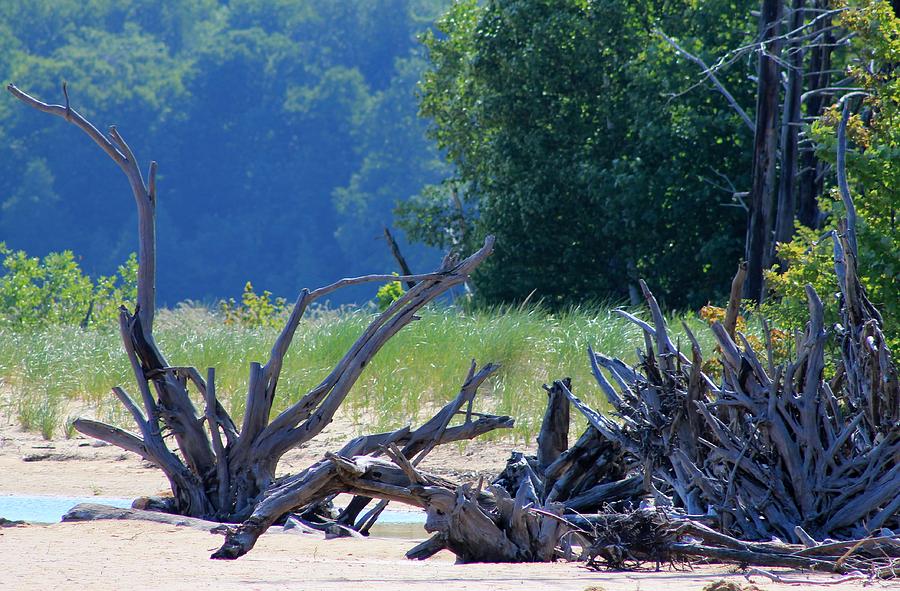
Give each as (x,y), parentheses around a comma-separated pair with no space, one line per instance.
(55,373)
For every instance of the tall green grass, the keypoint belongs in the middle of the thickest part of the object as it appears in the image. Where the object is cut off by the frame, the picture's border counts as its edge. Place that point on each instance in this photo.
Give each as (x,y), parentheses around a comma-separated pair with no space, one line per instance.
(53,373)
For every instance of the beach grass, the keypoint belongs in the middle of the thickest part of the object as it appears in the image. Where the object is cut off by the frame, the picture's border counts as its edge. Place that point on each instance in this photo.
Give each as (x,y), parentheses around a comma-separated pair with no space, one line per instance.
(55,373)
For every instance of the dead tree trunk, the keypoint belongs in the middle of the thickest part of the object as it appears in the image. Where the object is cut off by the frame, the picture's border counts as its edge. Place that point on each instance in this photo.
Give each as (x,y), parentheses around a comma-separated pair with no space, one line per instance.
(791,120)
(219,470)
(759,226)
(811,170)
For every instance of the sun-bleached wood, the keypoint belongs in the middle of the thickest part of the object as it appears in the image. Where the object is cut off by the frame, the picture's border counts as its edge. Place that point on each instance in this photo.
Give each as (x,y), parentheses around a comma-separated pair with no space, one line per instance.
(222,480)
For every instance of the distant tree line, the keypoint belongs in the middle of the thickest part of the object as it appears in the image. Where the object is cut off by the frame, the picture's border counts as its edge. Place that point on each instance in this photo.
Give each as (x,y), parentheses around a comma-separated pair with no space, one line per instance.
(285,133)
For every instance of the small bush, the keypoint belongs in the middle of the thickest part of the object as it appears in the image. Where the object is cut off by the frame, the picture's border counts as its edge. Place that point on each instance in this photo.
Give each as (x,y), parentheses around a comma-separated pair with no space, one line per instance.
(37,292)
(254,311)
(755,335)
(388,294)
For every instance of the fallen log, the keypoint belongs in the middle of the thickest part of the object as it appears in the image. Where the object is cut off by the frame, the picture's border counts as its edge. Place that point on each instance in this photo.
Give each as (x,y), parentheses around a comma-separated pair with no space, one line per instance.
(98,512)
(475,524)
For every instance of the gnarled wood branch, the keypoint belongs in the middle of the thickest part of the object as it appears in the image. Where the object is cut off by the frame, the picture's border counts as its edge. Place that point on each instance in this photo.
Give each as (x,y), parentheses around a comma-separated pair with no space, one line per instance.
(222,480)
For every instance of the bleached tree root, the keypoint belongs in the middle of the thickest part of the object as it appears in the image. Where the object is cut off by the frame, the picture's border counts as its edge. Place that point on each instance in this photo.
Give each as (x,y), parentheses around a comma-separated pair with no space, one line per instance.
(220,469)
(771,451)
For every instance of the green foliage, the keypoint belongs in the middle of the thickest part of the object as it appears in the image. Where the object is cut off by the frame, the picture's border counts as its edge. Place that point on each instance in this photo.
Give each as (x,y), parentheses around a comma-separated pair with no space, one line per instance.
(568,145)
(807,259)
(438,217)
(255,311)
(54,291)
(873,169)
(388,294)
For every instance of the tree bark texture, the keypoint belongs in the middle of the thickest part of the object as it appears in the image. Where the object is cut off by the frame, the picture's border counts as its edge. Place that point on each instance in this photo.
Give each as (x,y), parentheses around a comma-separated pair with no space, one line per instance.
(759,227)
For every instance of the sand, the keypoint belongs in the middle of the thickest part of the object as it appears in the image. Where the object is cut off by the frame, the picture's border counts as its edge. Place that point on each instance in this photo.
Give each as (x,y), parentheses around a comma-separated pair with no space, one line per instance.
(136,555)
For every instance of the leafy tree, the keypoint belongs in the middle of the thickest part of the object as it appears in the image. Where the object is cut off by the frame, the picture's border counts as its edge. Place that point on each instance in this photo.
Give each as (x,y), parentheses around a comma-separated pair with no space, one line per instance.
(557,115)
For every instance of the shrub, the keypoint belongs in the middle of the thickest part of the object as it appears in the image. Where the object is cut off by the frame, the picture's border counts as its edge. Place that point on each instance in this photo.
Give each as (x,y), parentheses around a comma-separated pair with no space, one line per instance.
(254,311)
(53,290)
(388,294)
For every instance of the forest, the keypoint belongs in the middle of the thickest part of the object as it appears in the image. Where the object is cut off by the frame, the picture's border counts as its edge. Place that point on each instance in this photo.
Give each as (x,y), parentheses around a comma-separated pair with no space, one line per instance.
(285,132)
(585,135)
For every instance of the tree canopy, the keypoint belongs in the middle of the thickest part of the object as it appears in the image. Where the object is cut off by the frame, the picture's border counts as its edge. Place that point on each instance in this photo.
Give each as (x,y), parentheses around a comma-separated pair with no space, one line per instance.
(583,133)
(575,142)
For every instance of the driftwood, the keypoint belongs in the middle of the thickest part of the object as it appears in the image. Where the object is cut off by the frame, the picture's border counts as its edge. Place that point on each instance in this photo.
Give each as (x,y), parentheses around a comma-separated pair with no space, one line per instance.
(477,525)
(590,475)
(488,525)
(97,512)
(220,469)
(290,494)
(767,450)
(763,452)
(522,516)
(771,450)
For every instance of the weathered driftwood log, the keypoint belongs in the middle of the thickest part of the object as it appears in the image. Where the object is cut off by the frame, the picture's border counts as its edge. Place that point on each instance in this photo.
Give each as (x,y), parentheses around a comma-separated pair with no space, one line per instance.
(220,469)
(477,525)
(97,512)
(590,476)
(771,450)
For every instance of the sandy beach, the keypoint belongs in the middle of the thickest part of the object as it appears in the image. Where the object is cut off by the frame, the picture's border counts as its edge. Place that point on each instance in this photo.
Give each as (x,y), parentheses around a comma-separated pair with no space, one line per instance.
(134,555)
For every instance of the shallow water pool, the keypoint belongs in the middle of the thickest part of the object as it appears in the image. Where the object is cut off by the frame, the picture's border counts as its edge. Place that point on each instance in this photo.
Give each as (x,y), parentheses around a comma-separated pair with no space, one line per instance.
(50,509)
(46,509)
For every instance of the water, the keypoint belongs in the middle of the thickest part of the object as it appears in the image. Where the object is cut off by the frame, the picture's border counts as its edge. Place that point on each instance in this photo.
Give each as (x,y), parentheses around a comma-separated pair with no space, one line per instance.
(45,509)
(38,509)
